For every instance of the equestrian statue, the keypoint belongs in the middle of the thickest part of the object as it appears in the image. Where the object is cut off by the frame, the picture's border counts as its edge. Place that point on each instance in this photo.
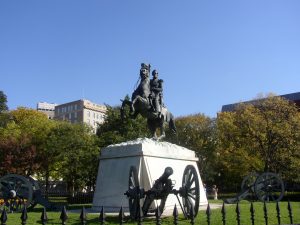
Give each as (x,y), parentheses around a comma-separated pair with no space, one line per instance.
(147,100)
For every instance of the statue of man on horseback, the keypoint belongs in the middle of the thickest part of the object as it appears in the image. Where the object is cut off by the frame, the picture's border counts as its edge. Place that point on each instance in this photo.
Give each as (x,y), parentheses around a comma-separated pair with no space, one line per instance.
(147,101)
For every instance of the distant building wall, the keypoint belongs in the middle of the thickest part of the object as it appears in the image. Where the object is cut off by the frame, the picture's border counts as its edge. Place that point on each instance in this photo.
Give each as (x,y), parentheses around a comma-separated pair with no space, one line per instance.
(293,97)
(81,111)
(47,108)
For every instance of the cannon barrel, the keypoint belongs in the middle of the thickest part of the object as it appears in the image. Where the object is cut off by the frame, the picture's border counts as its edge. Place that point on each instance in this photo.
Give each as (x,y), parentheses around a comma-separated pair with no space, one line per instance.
(165,176)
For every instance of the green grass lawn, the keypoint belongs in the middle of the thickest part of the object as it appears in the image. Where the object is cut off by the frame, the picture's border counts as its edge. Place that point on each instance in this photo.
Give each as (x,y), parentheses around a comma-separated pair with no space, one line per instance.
(216,217)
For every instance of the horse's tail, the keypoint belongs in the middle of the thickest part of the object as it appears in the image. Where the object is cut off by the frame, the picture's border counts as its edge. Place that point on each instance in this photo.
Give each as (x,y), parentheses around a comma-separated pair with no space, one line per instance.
(172,125)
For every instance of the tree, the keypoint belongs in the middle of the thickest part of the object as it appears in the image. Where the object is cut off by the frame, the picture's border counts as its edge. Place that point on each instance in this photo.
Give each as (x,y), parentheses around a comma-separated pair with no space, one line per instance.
(74,149)
(114,130)
(197,132)
(22,138)
(3,102)
(261,136)
(4,116)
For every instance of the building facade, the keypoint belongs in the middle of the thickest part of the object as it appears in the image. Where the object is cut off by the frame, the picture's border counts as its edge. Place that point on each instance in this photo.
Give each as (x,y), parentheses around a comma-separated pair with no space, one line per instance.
(47,108)
(81,111)
(293,97)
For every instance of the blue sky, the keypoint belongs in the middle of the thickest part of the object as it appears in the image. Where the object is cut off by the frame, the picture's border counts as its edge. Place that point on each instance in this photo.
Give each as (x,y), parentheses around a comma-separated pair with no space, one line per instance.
(209,53)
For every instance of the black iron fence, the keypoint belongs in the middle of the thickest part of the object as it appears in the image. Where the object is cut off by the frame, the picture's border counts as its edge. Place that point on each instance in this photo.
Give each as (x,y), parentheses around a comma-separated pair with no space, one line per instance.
(82,219)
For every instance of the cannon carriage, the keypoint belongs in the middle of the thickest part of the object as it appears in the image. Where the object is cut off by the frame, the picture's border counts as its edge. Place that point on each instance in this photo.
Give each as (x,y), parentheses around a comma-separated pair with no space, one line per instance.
(266,187)
(162,187)
(17,191)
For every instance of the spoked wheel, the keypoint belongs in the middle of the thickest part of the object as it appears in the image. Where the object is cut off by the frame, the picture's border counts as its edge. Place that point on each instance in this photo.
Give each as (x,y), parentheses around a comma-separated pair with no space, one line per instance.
(269,187)
(190,191)
(16,191)
(133,193)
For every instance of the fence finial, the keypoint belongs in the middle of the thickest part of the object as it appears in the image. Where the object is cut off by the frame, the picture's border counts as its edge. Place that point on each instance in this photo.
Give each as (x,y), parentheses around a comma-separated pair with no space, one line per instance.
(121,216)
(157,216)
(44,217)
(192,215)
(223,211)
(265,213)
(3,217)
(83,216)
(140,216)
(24,216)
(278,212)
(208,213)
(238,213)
(252,211)
(175,215)
(102,216)
(63,216)
(290,212)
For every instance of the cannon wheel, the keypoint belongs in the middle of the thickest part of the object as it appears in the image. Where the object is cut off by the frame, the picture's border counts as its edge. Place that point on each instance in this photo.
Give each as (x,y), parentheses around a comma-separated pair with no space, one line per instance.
(190,191)
(133,186)
(269,187)
(16,191)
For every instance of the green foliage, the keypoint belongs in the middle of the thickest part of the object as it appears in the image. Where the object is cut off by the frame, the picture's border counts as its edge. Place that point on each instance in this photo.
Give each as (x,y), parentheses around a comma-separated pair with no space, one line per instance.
(30,144)
(74,155)
(115,130)
(197,132)
(3,102)
(4,116)
(21,139)
(262,136)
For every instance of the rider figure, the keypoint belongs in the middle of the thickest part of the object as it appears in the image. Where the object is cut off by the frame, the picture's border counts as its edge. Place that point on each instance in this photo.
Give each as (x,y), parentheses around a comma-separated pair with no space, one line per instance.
(156,96)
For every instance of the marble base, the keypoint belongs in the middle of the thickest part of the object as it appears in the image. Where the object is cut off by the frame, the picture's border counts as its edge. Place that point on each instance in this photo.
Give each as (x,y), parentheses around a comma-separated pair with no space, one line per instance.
(150,158)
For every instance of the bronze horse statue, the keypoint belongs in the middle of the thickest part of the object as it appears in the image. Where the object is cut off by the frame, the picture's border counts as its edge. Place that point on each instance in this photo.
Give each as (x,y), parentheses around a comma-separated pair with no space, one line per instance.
(141,104)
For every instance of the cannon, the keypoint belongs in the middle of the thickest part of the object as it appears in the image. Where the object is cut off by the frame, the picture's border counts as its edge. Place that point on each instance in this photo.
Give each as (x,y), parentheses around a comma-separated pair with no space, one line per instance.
(266,187)
(17,191)
(162,187)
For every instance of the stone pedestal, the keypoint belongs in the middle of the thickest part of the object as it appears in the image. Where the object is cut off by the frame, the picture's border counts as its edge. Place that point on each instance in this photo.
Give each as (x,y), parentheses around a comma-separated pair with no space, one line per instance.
(150,158)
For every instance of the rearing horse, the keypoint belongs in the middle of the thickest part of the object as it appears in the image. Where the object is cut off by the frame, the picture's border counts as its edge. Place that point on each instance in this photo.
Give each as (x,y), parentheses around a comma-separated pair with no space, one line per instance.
(140,104)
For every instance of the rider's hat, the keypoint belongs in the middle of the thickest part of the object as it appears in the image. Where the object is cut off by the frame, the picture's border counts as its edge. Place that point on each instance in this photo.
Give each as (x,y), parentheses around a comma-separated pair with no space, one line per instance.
(154,72)
(145,66)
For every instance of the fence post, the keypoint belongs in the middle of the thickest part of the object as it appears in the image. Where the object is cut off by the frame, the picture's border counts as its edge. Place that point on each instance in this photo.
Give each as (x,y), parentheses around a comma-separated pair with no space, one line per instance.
(63,216)
(3,217)
(278,212)
(102,216)
(140,215)
(192,213)
(24,216)
(175,215)
(83,216)
(44,217)
(265,213)
(157,216)
(252,212)
(121,216)
(238,213)
(290,212)
(208,213)
(223,211)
